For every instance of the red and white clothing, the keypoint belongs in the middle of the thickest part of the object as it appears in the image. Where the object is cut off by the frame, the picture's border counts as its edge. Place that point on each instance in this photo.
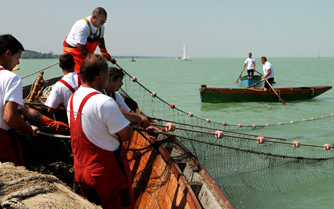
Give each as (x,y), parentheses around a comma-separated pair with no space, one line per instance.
(266,68)
(100,163)
(85,33)
(120,101)
(81,31)
(10,91)
(63,90)
(250,63)
(101,118)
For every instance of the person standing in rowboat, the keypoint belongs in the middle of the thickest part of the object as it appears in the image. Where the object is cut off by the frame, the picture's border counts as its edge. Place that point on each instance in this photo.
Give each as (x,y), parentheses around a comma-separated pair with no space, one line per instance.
(115,83)
(85,35)
(98,129)
(66,86)
(250,62)
(268,73)
(12,106)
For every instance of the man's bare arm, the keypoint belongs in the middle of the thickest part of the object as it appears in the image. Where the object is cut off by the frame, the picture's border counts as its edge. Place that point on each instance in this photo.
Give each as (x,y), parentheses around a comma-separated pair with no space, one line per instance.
(14,120)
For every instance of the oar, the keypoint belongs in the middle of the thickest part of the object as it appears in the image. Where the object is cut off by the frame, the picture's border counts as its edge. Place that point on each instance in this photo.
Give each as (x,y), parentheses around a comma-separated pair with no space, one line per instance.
(240,75)
(254,84)
(261,74)
(258,73)
(274,91)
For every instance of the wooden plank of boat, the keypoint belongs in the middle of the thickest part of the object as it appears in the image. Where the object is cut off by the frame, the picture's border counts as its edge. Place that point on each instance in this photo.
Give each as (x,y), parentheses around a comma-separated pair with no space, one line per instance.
(159,181)
(219,95)
(246,81)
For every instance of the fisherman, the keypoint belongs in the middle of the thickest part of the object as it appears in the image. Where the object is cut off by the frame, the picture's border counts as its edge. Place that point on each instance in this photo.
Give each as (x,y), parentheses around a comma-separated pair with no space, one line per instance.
(66,86)
(85,35)
(98,129)
(115,82)
(268,73)
(250,62)
(12,106)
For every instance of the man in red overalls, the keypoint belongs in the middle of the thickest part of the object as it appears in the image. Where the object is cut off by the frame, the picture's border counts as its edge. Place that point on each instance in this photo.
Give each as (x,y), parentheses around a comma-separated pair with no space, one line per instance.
(12,106)
(97,130)
(85,35)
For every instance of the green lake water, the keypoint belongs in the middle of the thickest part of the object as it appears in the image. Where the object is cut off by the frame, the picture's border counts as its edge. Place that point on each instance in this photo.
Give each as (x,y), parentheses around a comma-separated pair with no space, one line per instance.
(178,82)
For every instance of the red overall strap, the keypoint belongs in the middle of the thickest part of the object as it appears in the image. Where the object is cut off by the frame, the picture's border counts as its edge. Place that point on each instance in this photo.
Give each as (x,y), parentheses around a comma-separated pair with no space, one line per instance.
(79,80)
(78,135)
(67,85)
(81,104)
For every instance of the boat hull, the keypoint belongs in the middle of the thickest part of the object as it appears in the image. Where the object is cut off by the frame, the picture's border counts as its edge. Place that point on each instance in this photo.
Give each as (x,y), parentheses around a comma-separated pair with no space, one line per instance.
(222,95)
(245,81)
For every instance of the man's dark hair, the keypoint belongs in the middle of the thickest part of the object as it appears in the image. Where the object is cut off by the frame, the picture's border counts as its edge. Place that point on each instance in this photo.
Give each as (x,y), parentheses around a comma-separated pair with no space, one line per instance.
(98,11)
(264,58)
(8,42)
(115,73)
(92,66)
(66,61)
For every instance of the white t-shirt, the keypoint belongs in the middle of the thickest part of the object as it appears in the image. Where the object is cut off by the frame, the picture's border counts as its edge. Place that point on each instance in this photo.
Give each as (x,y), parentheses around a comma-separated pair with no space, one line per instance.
(120,101)
(100,118)
(250,63)
(80,32)
(60,93)
(266,68)
(10,91)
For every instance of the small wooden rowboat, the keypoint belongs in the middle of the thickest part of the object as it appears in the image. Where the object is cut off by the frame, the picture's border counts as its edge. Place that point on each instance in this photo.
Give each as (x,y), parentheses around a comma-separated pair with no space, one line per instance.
(219,95)
(245,81)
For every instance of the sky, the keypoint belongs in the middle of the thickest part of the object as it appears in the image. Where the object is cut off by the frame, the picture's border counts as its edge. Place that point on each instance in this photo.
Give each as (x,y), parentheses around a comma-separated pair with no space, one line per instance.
(210,29)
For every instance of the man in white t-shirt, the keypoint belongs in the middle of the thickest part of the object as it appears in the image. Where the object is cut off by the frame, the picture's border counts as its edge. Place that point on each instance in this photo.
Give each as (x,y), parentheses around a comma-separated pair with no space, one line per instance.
(250,62)
(97,130)
(115,83)
(268,73)
(12,106)
(85,35)
(65,87)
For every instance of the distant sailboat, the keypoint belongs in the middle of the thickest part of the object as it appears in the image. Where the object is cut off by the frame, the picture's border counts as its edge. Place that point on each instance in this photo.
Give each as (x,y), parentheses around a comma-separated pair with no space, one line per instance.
(185,56)
(133,59)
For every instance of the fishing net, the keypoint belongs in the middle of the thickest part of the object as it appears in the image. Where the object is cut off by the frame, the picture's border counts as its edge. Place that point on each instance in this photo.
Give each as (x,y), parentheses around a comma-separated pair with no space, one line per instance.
(239,162)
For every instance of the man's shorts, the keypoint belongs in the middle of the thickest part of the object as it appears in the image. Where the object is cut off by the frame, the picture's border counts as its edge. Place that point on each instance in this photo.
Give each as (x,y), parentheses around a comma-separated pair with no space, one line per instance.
(271,81)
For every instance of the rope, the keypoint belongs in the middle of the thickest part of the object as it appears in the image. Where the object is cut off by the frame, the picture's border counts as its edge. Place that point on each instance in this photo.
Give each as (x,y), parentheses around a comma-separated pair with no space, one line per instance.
(238,137)
(203,127)
(247,150)
(40,70)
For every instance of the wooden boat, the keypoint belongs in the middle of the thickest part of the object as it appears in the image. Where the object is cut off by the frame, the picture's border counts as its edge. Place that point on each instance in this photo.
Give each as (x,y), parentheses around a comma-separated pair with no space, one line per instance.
(161,178)
(245,81)
(218,95)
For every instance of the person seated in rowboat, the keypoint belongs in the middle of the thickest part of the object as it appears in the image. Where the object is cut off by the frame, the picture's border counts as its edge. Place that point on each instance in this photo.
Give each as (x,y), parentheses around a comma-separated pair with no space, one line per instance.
(66,86)
(97,130)
(115,83)
(268,73)
(12,106)
(250,62)
(85,35)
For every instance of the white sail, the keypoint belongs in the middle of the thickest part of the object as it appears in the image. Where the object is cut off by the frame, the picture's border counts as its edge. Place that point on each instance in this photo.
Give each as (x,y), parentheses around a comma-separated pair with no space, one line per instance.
(185,56)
